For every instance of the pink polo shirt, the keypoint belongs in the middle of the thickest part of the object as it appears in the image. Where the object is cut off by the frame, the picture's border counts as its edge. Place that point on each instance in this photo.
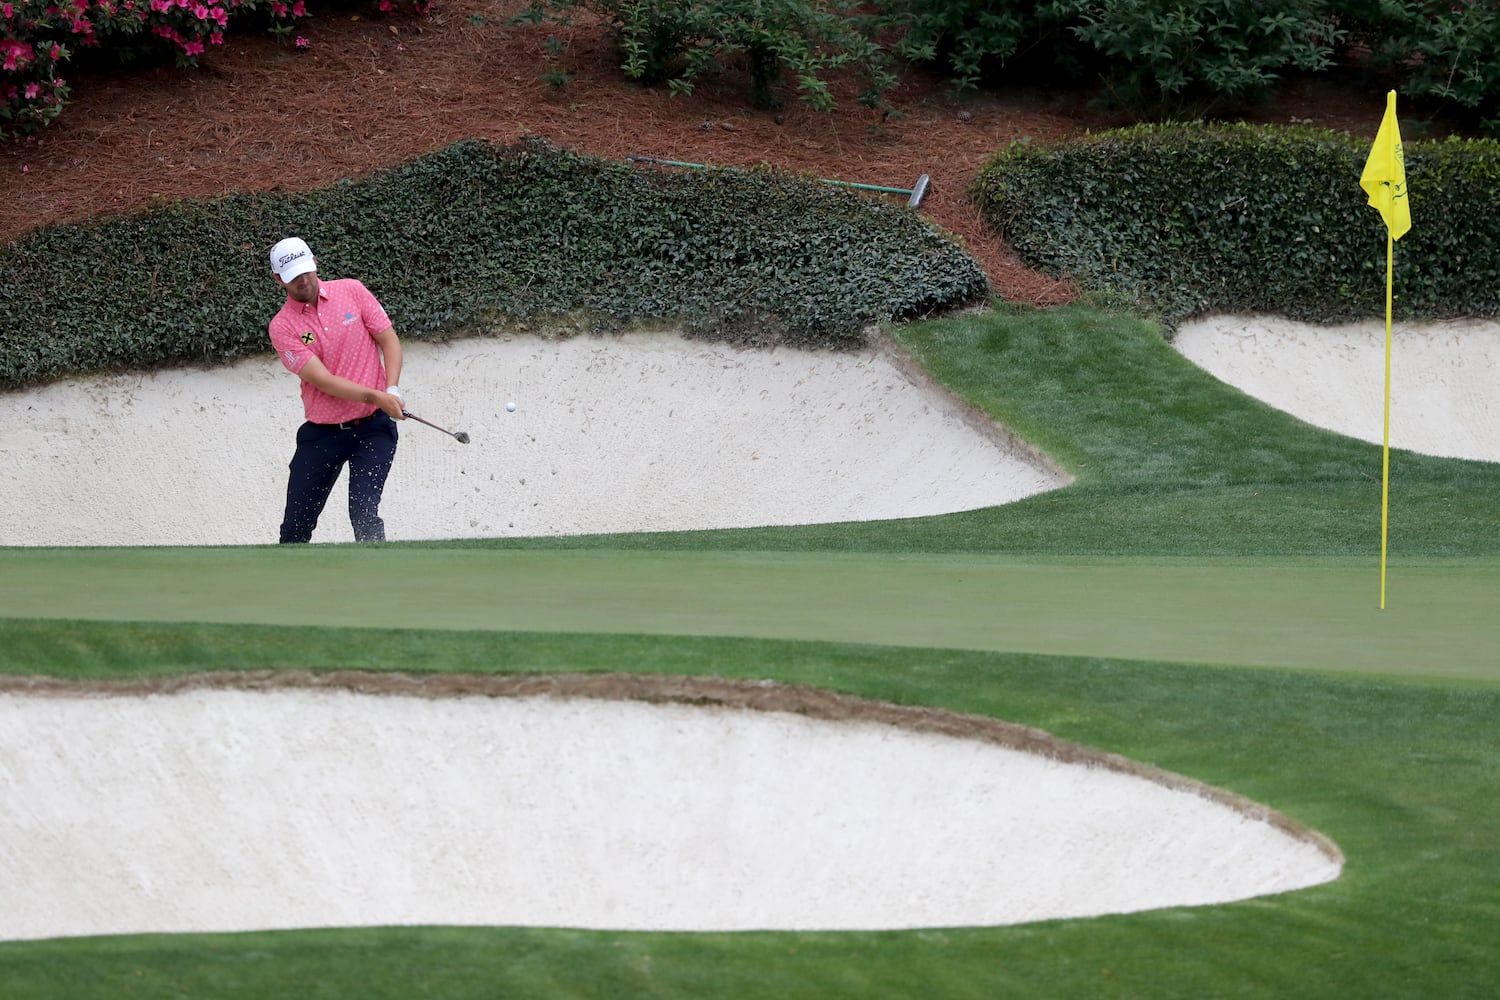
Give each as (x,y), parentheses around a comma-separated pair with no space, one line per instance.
(339,331)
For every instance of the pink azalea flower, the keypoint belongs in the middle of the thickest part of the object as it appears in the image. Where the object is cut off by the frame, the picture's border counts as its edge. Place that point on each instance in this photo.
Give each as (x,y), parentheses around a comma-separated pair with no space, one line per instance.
(302,42)
(33,91)
(299,8)
(217,38)
(8,11)
(385,6)
(193,48)
(56,52)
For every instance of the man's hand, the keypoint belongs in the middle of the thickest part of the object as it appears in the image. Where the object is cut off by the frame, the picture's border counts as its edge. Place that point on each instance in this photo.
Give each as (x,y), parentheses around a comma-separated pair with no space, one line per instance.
(390,403)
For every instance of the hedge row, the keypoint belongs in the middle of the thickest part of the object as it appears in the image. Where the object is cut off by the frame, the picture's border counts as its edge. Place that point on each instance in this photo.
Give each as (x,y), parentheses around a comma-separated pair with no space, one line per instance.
(1182,220)
(471,237)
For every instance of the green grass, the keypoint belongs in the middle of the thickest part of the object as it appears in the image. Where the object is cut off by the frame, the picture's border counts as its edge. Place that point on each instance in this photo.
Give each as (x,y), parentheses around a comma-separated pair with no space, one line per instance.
(1169,461)
(1154,609)
(1307,613)
(1403,775)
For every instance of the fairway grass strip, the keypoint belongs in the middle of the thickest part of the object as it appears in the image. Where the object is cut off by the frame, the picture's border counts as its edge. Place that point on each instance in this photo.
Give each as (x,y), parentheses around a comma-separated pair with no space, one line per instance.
(1312,614)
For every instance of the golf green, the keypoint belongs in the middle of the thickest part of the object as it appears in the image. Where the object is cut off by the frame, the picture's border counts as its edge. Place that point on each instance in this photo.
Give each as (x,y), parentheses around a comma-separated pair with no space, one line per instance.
(1317,614)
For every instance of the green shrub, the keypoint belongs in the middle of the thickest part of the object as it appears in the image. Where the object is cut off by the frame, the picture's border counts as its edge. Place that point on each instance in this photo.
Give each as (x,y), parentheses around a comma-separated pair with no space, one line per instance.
(976,41)
(1154,56)
(1449,51)
(677,41)
(1369,23)
(470,237)
(1170,55)
(1183,220)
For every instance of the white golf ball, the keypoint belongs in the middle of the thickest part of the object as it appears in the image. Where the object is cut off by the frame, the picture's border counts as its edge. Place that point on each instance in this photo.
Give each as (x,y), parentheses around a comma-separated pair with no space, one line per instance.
(510,407)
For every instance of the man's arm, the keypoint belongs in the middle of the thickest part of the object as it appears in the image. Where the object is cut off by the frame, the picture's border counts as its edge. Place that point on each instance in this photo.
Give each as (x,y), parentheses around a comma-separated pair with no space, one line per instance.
(317,374)
(390,350)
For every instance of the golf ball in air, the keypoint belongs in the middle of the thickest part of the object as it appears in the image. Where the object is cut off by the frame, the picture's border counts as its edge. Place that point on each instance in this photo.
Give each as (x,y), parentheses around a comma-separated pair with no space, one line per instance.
(510,407)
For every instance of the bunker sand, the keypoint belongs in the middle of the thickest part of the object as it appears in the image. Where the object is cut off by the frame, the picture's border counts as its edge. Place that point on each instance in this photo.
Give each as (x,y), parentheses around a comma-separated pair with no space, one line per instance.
(645,432)
(624,802)
(1445,377)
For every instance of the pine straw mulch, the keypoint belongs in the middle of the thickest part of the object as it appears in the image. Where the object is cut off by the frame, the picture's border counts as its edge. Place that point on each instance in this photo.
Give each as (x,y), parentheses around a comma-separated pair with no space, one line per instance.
(373,92)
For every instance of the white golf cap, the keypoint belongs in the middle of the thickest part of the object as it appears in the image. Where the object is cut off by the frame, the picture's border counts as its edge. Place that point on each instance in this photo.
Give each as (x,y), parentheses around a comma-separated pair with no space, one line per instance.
(290,258)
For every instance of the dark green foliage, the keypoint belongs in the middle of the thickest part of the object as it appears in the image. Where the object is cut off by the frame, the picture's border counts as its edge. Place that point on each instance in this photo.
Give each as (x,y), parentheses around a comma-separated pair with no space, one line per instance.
(1444,50)
(1165,53)
(975,41)
(1183,220)
(465,238)
(678,41)
(1152,55)
(1167,58)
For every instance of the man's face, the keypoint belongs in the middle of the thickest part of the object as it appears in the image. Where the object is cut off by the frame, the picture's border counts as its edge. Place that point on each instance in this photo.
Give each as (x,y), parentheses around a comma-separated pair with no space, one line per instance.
(303,288)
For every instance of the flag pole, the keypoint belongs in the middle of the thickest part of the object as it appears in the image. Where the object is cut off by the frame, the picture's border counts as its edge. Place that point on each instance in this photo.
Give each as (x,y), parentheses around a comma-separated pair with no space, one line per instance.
(1384,180)
(1385,473)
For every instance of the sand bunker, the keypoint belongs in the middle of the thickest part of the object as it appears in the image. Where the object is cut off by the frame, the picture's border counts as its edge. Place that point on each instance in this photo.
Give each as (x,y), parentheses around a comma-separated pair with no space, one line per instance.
(636,433)
(1445,377)
(227,809)
(219,809)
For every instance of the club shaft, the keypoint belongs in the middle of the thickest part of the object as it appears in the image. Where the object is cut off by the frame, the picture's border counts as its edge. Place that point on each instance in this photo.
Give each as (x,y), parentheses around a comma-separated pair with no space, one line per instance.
(429,423)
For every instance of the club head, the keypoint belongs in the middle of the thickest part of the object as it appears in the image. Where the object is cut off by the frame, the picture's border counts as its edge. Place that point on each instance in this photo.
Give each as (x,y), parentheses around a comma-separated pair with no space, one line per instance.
(462,437)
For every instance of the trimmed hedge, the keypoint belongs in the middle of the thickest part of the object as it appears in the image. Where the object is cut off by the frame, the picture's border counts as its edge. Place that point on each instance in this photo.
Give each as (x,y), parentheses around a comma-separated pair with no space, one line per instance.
(1181,220)
(473,237)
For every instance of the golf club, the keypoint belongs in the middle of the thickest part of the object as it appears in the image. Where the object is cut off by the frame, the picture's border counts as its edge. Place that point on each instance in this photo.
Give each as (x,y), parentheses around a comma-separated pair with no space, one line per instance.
(462,437)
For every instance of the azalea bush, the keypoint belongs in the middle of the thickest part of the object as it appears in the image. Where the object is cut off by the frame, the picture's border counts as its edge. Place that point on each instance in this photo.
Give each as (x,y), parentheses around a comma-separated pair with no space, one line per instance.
(32,46)
(37,36)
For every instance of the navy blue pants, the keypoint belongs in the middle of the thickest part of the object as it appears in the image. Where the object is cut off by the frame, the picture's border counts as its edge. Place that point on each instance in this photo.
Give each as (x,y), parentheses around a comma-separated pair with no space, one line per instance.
(367,446)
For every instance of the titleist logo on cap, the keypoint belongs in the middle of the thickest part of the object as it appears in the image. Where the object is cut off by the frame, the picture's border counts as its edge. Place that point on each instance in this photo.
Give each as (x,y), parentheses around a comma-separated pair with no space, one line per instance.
(291,257)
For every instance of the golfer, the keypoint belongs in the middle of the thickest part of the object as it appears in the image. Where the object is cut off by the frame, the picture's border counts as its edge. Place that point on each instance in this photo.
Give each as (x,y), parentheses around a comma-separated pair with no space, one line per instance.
(336,337)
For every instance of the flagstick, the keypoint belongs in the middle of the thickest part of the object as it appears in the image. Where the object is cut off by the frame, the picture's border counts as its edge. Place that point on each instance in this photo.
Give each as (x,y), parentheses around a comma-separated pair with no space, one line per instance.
(1385,476)
(1384,181)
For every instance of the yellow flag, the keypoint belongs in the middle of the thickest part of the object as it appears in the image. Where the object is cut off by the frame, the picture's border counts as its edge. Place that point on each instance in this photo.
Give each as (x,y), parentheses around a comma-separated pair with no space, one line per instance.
(1384,177)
